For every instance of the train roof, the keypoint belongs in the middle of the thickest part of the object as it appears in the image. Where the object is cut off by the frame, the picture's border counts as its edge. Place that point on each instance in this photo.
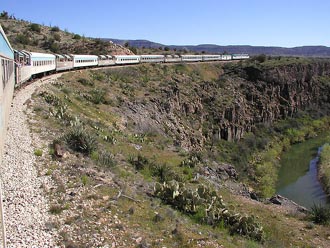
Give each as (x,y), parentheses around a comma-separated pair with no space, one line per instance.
(152,55)
(84,56)
(39,55)
(127,56)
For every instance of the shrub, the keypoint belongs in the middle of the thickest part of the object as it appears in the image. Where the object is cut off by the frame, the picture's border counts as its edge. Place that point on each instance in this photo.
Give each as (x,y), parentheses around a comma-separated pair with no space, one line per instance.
(97,96)
(55,29)
(320,214)
(106,159)
(54,47)
(84,180)
(78,139)
(77,37)
(85,82)
(261,58)
(35,27)
(55,209)
(163,172)
(23,39)
(140,162)
(57,37)
(38,152)
(192,161)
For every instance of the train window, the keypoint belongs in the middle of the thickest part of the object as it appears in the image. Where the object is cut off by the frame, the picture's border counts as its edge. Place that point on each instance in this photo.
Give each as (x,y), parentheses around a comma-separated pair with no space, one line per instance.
(7,71)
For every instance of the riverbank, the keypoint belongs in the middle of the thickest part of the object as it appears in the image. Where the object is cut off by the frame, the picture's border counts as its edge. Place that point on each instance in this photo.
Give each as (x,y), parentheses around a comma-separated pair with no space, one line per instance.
(266,162)
(298,174)
(324,167)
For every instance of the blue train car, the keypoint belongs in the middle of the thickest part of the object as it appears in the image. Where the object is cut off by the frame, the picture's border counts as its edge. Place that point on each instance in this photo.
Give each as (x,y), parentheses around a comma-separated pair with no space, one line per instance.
(7,76)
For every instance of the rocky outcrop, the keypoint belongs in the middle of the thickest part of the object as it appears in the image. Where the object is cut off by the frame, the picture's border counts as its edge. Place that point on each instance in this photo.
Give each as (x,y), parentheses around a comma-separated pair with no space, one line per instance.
(194,111)
(251,96)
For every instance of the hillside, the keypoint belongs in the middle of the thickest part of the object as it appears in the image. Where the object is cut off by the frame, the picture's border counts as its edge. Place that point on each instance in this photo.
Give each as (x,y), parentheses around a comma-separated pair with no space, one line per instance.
(304,51)
(156,155)
(39,38)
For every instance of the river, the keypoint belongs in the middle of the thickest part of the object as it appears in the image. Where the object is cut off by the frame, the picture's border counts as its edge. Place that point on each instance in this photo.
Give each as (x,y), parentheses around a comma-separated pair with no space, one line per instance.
(298,174)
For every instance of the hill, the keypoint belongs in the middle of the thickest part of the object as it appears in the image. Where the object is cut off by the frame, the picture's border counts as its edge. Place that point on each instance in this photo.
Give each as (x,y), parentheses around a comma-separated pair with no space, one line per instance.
(39,38)
(137,153)
(304,51)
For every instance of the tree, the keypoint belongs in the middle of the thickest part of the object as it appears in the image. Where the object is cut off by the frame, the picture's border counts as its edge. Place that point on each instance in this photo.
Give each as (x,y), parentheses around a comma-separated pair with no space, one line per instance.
(126,44)
(4,15)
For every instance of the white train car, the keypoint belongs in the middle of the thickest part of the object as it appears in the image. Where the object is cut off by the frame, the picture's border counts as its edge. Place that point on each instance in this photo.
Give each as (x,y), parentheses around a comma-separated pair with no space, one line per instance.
(211,57)
(191,58)
(41,63)
(172,58)
(105,60)
(126,59)
(63,62)
(151,58)
(240,56)
(30,64)
(23,62)
(226,57)
(84,60)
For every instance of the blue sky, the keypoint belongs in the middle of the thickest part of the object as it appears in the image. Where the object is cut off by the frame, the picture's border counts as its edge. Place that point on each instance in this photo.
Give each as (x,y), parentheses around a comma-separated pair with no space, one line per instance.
(285,23)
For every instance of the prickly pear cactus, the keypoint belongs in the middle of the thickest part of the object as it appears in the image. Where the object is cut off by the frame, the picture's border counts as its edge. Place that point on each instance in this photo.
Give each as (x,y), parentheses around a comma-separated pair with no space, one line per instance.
(216,213)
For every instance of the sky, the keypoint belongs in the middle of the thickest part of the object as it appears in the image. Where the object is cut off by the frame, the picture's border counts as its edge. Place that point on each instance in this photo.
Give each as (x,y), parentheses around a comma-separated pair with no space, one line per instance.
(286,23)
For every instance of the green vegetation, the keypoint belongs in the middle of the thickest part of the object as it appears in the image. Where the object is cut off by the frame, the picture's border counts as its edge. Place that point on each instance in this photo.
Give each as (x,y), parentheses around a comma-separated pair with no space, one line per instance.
(208,207)
(55,29)
(80,140)
(320,214)
(324,167)
(38,152)
(35,27)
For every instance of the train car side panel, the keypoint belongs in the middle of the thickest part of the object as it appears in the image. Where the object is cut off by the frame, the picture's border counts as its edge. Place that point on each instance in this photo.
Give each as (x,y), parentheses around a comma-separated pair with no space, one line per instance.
(84,60)
(7,77)
(126,59)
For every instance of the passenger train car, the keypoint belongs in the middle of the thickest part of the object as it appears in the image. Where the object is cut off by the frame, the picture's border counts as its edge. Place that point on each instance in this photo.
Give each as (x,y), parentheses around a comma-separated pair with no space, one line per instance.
(7,75)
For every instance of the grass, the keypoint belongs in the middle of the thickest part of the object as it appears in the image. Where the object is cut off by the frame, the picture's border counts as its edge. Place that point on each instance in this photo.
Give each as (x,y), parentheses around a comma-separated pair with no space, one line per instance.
(320,214)
(38,152)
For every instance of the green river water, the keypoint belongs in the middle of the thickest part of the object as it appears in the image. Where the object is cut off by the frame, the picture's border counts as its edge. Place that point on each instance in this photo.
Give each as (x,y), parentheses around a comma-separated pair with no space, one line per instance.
(297,179)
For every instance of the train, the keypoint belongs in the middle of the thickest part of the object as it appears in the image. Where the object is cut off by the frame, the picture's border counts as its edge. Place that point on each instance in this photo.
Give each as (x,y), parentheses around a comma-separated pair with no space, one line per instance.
(32,64)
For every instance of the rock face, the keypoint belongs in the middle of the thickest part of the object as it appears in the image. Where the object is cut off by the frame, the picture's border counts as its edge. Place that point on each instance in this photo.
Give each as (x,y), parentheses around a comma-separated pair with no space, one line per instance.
(198,111)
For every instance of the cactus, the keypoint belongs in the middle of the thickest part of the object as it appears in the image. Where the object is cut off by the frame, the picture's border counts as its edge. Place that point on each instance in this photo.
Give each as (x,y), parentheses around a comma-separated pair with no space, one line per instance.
(191,201)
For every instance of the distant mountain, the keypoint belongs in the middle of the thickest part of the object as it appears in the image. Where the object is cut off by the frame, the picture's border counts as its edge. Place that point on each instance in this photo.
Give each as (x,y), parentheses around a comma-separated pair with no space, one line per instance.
(307,51)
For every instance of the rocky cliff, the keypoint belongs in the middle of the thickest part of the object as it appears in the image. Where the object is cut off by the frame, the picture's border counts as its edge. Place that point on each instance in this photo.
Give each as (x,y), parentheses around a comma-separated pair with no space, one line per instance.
(196,111)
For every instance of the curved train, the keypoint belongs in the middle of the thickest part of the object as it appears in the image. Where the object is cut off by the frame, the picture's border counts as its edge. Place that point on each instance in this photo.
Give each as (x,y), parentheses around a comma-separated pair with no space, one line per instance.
(31,64)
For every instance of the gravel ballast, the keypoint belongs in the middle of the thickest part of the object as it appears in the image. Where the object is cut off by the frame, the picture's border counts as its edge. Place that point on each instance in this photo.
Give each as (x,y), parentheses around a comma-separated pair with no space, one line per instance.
(26,207)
